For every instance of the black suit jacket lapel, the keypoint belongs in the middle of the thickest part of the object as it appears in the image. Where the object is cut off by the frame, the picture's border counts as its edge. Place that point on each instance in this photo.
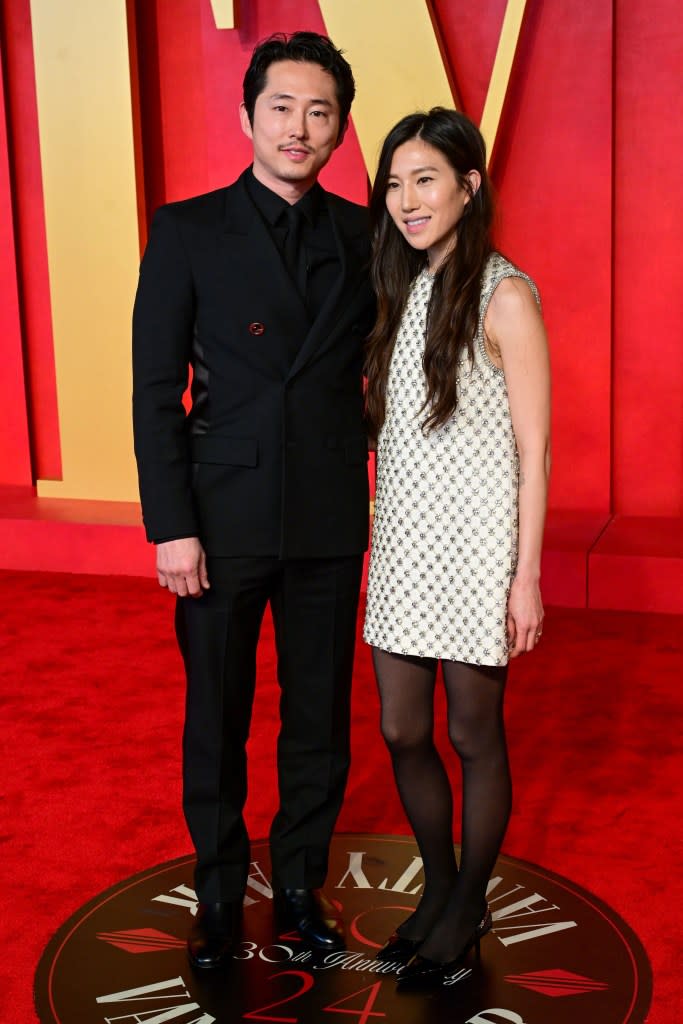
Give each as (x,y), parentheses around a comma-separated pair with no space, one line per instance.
(254,265)
(351,258)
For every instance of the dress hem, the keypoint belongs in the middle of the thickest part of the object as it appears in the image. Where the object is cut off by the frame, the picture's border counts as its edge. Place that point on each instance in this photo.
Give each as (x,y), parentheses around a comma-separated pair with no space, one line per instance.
(395,649)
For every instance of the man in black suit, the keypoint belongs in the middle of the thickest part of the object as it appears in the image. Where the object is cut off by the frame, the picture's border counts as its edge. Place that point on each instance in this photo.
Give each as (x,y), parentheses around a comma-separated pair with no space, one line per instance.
(260,493)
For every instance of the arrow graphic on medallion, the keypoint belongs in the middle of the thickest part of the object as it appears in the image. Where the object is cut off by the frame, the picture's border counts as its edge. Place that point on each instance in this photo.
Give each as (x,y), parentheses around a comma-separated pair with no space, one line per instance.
(557,983)
(141,940)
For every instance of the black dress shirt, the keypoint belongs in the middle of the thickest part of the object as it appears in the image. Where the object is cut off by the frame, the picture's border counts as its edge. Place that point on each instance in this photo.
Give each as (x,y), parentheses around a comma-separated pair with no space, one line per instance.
(317,237)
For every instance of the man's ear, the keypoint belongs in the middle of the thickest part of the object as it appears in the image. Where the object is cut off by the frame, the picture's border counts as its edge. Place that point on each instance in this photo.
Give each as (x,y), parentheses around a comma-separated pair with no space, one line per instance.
(245,123)
(342,133)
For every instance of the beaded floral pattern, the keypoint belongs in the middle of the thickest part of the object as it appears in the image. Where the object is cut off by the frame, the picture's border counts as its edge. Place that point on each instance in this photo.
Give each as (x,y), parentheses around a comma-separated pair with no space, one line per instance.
(444,541)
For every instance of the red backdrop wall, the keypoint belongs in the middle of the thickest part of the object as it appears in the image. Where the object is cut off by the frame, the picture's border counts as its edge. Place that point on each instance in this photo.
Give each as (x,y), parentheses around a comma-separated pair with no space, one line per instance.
(587,166)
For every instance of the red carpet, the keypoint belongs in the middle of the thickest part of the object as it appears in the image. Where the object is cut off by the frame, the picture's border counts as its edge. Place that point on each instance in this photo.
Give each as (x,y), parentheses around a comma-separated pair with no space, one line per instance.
(92,695)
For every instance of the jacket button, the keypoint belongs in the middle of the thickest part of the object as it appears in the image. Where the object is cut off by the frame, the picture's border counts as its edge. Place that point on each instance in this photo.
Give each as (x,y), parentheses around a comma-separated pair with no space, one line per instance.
(256,328)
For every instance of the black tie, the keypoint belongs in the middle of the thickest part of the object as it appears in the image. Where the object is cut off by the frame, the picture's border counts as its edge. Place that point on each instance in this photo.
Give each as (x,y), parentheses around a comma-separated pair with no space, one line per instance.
(293,251)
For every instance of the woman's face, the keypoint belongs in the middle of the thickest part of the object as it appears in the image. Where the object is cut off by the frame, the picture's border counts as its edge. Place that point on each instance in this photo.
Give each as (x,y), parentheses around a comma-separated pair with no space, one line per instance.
(425,199)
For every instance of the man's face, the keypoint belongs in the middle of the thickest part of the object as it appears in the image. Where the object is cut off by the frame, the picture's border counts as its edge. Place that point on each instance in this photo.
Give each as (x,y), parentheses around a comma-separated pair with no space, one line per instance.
(296,126)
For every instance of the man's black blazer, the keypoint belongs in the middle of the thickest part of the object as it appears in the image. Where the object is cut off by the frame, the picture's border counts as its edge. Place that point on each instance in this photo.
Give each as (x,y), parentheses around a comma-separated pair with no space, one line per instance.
(272,457)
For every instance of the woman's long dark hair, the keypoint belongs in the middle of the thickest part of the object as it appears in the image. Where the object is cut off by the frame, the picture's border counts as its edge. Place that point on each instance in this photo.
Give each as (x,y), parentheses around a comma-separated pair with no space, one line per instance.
(453,311)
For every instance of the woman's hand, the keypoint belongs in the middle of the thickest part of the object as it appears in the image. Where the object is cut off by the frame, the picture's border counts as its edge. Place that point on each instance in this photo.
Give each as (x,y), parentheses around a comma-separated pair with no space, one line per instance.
(515,330)
(524,616)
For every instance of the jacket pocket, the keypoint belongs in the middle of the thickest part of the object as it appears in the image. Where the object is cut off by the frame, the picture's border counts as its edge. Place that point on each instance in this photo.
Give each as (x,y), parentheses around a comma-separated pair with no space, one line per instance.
(225,451)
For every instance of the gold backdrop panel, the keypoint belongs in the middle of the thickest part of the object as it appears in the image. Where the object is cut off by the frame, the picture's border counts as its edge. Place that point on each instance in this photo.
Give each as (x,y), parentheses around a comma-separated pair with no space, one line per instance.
(223,13)
(396,62)
(398,66)
(502,69)
(88,167)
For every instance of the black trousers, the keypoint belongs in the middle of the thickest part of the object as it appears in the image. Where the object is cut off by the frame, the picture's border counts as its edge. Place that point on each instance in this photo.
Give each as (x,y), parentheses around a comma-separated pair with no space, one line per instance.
(314,606)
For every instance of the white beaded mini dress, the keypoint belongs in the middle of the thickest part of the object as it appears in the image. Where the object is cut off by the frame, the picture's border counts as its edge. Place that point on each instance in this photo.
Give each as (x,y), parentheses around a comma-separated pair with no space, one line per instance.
(444,540)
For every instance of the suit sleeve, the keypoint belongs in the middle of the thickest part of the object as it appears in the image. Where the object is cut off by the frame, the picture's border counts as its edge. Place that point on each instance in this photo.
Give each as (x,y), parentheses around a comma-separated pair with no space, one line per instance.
(163,324)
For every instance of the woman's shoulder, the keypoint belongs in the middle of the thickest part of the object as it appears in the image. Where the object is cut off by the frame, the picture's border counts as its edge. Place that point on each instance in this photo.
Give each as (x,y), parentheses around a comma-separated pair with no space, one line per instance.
(500,271)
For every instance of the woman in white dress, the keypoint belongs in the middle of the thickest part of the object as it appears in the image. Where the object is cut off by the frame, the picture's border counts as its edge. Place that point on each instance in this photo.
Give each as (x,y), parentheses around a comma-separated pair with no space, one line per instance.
(458,401)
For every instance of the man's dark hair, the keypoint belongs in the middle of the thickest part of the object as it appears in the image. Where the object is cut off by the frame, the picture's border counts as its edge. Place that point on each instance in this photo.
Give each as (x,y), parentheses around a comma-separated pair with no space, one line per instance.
(305,48)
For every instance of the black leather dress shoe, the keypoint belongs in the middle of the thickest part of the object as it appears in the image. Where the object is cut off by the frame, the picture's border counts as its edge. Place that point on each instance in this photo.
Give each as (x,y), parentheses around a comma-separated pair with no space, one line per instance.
(311,915)
(214,934)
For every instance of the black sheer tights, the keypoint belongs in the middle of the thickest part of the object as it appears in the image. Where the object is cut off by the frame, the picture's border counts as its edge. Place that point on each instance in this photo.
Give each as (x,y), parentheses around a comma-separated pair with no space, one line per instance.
(452,902)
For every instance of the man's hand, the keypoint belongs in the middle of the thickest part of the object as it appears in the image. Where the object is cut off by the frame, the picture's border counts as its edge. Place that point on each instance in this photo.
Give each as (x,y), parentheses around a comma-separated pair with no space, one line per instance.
(181,566)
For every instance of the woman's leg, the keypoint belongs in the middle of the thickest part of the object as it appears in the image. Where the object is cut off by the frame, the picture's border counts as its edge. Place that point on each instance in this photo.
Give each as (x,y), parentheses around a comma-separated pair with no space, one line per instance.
(406,687)
(477,732)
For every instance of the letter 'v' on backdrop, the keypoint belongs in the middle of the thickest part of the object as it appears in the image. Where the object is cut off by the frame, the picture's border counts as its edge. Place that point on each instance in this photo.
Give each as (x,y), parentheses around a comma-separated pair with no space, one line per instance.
(398,65)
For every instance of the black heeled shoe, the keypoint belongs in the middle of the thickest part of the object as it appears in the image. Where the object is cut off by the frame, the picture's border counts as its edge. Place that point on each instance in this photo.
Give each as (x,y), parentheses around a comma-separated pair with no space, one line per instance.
(398,949)
(421,972)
